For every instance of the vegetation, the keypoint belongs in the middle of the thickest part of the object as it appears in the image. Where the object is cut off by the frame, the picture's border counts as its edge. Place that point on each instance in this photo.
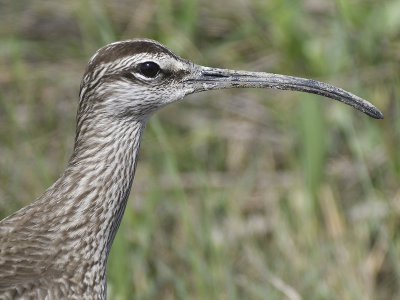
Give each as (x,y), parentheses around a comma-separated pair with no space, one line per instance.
(239,194)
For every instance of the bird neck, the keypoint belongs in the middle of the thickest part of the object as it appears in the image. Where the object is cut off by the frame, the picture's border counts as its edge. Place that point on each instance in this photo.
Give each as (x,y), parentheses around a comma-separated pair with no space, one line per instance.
(95,186)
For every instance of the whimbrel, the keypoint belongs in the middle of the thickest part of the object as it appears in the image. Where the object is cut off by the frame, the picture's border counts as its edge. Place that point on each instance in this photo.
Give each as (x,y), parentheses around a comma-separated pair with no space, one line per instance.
(57,247)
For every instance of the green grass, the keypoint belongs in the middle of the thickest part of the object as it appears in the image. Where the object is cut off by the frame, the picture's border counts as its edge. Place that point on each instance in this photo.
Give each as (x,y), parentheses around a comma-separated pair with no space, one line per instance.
(239,194)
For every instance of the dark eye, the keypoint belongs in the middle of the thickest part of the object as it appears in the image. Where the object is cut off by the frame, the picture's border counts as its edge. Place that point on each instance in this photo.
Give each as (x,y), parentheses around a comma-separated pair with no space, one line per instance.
(149,69)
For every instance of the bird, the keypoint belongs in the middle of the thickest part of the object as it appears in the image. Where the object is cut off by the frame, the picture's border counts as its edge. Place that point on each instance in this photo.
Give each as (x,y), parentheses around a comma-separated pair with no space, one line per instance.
(57,246)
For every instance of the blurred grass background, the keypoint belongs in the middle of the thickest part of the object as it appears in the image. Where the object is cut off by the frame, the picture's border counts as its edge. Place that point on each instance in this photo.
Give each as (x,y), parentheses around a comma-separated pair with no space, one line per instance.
(239,194)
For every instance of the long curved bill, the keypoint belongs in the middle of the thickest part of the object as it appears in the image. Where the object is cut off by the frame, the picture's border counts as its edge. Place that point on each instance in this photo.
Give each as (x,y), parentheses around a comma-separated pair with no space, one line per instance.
(205,78)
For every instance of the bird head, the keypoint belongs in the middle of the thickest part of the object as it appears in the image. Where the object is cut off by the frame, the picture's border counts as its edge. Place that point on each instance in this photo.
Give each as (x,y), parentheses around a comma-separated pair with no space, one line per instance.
(134,78)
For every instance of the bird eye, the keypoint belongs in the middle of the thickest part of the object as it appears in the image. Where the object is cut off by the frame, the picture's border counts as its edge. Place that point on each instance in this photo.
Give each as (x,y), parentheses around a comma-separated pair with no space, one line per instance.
(149,69)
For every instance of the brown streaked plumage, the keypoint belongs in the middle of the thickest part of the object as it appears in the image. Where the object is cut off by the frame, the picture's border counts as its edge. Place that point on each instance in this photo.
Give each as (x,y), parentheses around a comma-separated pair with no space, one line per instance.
(57,247)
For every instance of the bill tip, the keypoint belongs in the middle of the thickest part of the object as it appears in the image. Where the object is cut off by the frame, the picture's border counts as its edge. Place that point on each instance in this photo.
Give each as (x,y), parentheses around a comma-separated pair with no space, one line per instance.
(377,114)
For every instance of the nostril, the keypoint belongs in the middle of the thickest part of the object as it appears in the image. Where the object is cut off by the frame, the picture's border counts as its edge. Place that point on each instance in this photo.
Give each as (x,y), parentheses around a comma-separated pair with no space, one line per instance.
(213,75)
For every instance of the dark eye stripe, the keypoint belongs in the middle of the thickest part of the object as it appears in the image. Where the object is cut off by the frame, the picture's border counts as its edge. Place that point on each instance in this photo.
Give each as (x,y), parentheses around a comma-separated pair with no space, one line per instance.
(128,75)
